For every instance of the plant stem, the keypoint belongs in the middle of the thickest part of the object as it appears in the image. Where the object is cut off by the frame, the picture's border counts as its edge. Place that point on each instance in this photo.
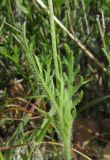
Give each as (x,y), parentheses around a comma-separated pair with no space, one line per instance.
(67,143)
(53,36)
(67,151)
(65,136)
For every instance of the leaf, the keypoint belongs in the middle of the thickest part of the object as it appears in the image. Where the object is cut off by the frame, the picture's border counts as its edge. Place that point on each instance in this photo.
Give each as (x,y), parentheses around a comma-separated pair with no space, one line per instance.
(4,3)
(77,99)
(59,2)
(94,102)
(107,54)
(1,156)
(21,7)
(77,85)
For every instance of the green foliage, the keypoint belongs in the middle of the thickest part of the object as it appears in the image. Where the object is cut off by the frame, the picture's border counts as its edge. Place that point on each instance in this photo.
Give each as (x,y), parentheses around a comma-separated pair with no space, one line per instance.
(15,57)
(51,63)
(59,94)
(59,2)
(107,6)
(1,156)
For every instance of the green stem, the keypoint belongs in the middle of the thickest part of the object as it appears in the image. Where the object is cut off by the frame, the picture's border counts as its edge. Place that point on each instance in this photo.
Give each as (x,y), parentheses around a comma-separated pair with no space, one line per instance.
(67,152)
(66,137)
(67,143)
(53,36)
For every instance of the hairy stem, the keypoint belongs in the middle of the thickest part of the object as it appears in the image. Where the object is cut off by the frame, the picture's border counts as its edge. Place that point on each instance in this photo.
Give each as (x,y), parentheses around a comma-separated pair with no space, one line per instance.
(65,137)
(53,36)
